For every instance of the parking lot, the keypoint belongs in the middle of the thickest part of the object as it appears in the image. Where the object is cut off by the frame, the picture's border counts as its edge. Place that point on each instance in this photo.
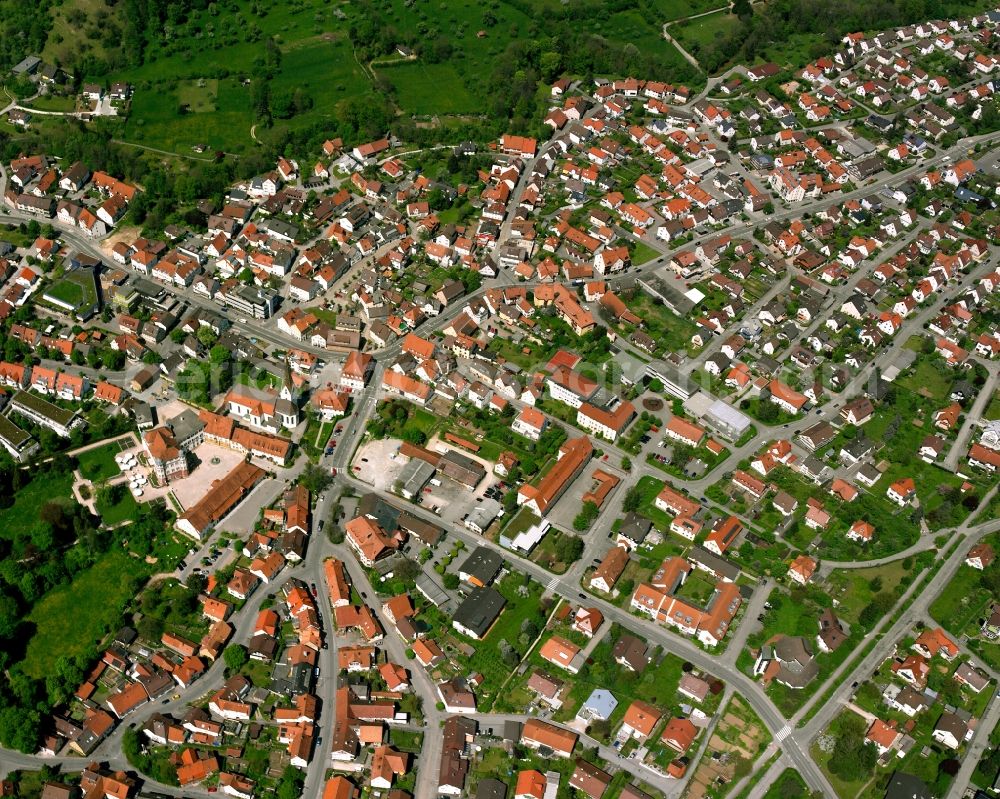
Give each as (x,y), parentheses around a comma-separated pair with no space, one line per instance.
(378,463)
(570,503)
(453,501)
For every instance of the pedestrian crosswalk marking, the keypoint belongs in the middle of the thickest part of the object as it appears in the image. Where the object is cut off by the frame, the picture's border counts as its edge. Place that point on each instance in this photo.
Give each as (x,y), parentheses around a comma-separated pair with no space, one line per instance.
(783,733)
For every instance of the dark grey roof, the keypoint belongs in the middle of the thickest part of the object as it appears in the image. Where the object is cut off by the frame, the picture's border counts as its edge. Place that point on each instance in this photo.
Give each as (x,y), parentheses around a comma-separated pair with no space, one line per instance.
(906,786)
(635,527)
(483,564)
(718,566)
(479,610)
(490,788)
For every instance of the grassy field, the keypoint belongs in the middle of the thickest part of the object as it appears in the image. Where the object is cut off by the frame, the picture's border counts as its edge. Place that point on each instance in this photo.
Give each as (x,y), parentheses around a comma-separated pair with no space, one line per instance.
(120,511)
(705,31)
(15,236)
(852,587)
(198,96)
(789,783)
(671,331)
(189,91)
(23,514)
(156,119)
(67,291)
(323,67)
(640,30)
(676,9)
(460,23)
(172,110)
(67,28)
(643,253)
(99,463)
(928,379)
(52,102)
(993,409)
(75,616)
(796,50)
(429,89)
(843,789)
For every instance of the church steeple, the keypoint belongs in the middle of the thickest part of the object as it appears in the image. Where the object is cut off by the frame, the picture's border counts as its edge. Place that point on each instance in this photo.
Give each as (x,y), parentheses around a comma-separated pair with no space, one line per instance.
(288,390)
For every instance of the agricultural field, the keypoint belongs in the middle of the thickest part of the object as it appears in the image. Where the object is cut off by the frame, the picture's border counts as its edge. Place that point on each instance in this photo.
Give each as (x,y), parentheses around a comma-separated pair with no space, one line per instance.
(735,745)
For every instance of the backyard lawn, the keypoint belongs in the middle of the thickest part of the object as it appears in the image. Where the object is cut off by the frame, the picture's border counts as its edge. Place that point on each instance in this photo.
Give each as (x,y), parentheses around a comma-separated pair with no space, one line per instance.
(523,602)
(697,588)
(657,684)
(962,600)
(993,409)
(671,331)
(928,378)
(72,618)
(648,487)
